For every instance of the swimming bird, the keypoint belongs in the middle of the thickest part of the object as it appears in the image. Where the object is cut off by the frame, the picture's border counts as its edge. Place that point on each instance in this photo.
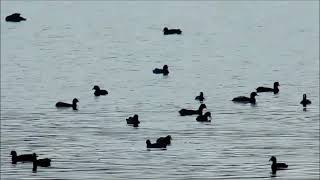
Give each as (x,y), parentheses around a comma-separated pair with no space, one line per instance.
(133,120)
(243,99)
(40,162)
(200,97)
(63,104)
(21,158)
(186,112)
(277,166)
(15,17)
(305,101)
(164,140)
(167,31)
(155,145)
(204,118)
(275,88)
(163,71)
(99,92)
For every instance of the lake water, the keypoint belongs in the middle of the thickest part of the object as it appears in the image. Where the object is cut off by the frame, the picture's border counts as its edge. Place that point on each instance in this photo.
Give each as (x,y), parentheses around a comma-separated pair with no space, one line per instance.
(227,49)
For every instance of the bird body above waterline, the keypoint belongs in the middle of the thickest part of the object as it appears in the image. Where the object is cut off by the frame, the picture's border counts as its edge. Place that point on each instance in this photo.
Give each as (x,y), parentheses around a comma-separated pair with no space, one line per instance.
(99,92)
(244,99)
(277,166)
(275,88)
(21,158)
(66,105)
(188,112)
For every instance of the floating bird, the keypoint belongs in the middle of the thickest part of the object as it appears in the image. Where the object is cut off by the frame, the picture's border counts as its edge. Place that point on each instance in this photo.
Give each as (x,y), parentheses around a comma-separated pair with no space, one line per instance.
(243,99)
(275,88)
(15,17)
(63,104)
(277,166)
(155,145)
(99,92)
(305,101)
(186,112)
(21,158)
(133,121)
(164,140)
(200,97)
(163,71)
(40,162)
(167,31)
(204,118)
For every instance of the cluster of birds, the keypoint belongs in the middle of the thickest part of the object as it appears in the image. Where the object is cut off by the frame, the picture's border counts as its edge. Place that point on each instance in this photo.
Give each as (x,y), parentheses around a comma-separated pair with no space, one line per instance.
(161,142)
(30,158)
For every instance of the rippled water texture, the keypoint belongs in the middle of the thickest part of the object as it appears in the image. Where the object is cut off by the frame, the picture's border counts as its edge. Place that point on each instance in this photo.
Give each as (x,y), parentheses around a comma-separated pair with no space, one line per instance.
(227,49)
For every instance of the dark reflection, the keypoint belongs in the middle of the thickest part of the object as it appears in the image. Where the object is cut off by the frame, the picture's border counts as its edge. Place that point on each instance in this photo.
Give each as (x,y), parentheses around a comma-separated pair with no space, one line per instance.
(244,99)
(66,105)
(99,92)
(305,101)
(164,70)
(275,88)
(187,112)
(134,121)
(167,31)
(273,174)
(15,17)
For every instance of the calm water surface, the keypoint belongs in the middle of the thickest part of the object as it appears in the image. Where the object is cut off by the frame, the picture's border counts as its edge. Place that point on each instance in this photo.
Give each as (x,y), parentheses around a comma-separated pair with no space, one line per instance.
(227,49)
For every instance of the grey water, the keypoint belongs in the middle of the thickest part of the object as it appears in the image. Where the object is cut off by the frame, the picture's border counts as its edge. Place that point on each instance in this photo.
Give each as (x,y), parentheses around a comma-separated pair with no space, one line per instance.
(226,49)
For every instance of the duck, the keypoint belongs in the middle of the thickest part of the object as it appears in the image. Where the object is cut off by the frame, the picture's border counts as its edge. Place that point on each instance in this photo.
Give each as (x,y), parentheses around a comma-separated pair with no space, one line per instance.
(155,145)
(186,112)
(275,88)
(163,71)
(277,166)
(204,118)
(164,140)
(21,158)
(98,91)
(305,101)
(167,31)
(243,99)
(133,120)
(63,104)
(15,17)
(46,162)
(200,97)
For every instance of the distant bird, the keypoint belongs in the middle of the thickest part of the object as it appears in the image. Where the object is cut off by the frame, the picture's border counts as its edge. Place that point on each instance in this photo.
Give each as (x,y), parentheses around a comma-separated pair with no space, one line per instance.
(277,166)
(187,112)
(200,97)
(40,162)
(163,71)
(164,140)
(99,92)
(167,31)
(204,118)
(63,104)
(155,145)
(275,88)
(15,17)
(21,158)
(133,120)
(305,101)
(243,99)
